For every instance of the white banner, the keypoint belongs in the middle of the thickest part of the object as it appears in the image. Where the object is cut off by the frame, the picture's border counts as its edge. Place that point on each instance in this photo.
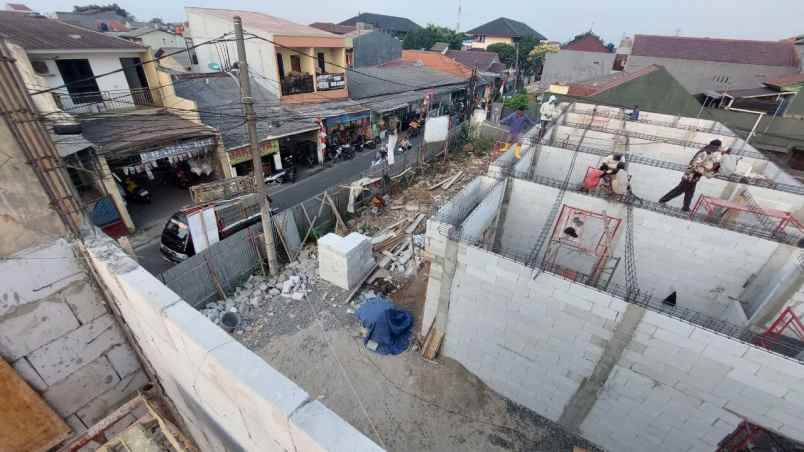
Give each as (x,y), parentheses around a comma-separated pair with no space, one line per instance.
(391,147)
(203,229)
(436,129)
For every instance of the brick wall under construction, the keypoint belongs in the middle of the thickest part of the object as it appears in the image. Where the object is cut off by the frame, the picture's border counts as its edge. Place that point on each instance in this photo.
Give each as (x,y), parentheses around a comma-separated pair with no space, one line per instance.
(624,377)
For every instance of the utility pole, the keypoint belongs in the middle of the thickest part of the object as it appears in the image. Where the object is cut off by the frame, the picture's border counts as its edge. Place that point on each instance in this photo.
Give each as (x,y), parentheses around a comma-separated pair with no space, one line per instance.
(256,158)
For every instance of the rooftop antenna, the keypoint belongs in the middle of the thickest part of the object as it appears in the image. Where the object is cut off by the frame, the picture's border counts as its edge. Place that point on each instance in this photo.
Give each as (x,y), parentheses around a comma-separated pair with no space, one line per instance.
(592,26)
(458,23)
(678,31)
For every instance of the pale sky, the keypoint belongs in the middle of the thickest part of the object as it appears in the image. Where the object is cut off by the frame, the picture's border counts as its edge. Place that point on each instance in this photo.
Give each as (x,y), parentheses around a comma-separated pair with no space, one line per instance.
(558,20)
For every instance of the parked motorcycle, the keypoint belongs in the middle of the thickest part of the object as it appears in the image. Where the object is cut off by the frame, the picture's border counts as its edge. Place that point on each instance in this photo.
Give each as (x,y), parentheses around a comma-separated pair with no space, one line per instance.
(282,176)
(135,192)
(341,152)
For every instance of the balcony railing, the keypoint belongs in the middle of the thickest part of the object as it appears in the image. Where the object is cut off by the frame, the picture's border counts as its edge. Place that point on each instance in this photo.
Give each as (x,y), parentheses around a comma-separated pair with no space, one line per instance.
(326,82)
(101,101)
(297,84)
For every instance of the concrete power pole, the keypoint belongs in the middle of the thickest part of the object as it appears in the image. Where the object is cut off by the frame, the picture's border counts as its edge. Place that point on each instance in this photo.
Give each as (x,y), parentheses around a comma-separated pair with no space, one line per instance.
(256,158)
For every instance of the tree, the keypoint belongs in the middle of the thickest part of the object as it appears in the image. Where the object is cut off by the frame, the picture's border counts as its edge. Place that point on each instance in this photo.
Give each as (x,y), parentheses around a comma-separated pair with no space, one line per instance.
(505,52)
(113,7)
(156,21)
(424,38)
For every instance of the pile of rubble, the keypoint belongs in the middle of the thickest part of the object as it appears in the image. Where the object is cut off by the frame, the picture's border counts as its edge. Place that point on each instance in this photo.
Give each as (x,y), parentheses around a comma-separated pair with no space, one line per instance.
(293,284)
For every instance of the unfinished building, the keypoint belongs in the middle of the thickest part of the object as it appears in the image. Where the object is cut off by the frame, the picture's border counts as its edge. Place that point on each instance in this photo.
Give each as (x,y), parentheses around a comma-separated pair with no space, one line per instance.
(637,325)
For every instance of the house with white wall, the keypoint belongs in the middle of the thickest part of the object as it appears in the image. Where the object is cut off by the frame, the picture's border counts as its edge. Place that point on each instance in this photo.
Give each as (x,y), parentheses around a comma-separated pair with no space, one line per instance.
(68,58)
(154,38)
(295,62)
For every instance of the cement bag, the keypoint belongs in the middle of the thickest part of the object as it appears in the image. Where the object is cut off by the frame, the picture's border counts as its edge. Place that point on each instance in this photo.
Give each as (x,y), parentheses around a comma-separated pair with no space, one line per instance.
(620,183)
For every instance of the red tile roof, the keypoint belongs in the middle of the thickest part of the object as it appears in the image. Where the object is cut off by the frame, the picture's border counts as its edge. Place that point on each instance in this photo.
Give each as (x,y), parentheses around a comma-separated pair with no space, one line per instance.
(792,79)
(588,43)
(40,33)
(437,61)
(600,85)
(18,7)
(764,53)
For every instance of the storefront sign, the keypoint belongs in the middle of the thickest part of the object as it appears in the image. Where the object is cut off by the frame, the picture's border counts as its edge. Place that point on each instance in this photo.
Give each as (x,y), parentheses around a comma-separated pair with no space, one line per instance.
(187,147)
(347,118)
(244,154)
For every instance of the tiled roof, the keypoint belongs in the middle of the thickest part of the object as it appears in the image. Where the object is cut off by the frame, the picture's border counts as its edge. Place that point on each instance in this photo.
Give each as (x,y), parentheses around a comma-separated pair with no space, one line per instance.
(787,80)
(438,62)
(263,22)
(395,77)
(475,58)
(34,32)
(93,20)
(506,27)
(764,53)
(333,28)
(19,7)
(602,84)
(383,22)
(587,42)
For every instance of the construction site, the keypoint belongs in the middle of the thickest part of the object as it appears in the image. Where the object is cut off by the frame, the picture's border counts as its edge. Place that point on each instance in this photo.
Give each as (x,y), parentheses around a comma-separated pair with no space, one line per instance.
(635,324)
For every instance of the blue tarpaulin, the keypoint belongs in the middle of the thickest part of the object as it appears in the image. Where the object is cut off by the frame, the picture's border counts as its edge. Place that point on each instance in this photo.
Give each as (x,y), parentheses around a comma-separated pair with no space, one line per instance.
(388,326)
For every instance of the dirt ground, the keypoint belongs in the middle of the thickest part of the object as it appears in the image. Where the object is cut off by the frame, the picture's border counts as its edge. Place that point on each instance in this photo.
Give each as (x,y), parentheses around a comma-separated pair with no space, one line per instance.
(402,402)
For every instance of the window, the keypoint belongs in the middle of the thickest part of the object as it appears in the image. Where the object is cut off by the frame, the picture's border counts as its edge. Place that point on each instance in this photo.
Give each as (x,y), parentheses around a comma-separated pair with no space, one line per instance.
(321,63)
(295,63)
(40,67)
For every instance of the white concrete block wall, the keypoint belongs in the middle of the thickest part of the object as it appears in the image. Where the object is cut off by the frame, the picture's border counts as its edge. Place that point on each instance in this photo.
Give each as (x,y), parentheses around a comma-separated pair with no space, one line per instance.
(527,212)
(483,215)
(532,340)
(676,386)
(228,397)
(344,261)
(57,332)
(681,387)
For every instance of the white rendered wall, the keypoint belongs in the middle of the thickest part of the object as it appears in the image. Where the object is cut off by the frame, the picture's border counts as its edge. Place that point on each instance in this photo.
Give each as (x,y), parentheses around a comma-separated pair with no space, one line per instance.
(101,63)
(228,397)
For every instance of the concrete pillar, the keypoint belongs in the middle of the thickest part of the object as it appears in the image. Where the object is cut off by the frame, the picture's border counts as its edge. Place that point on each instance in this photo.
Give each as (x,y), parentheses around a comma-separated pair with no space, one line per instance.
(111,188)
(222,158)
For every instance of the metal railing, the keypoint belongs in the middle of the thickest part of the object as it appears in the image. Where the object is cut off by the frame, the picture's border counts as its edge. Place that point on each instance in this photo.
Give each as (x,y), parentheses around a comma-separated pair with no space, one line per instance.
(102,101)
(297,84)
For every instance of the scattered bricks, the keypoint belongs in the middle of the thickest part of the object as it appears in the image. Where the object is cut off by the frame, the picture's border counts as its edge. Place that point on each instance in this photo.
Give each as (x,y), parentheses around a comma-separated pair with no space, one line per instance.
(102,405)
(65,355)
(30,326)
(27,372)
(123,360)
(84,301)
(81,386)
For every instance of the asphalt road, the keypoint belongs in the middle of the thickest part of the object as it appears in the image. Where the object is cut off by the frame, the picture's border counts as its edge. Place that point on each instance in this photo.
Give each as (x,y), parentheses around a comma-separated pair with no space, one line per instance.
(284,196)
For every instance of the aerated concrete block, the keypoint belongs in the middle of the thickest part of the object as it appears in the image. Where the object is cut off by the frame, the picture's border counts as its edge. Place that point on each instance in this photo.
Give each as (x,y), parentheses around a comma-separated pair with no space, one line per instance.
(30,326)
(60,358)
(344,261)
(81,386)
(316,428)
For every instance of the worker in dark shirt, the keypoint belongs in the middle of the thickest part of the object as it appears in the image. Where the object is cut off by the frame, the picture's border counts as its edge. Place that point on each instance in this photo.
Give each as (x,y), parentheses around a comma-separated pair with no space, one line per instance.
(705,162)
(518,122)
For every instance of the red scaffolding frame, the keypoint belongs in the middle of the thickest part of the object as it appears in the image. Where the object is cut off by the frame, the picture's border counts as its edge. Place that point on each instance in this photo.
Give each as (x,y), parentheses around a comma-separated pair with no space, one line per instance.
(787,321)
(711,206)
(600,249)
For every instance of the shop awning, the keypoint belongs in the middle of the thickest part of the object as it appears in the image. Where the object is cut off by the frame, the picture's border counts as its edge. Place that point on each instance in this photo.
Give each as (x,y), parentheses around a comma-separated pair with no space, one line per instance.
(127,136)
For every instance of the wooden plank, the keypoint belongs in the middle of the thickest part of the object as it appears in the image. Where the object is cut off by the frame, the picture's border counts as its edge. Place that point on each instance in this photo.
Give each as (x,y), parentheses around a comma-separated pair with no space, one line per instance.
(449,184)
(27,423)
(432,343)
(433,187)
(336,213)
(415,224)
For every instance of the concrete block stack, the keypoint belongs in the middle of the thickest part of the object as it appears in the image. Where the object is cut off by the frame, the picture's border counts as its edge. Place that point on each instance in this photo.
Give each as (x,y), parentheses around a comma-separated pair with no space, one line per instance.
(344,261)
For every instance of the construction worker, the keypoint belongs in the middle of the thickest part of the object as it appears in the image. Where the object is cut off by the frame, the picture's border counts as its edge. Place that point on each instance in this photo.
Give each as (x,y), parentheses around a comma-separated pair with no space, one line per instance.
(518,122)
(633,115)
(610,166)
(548,112)
(705,162)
